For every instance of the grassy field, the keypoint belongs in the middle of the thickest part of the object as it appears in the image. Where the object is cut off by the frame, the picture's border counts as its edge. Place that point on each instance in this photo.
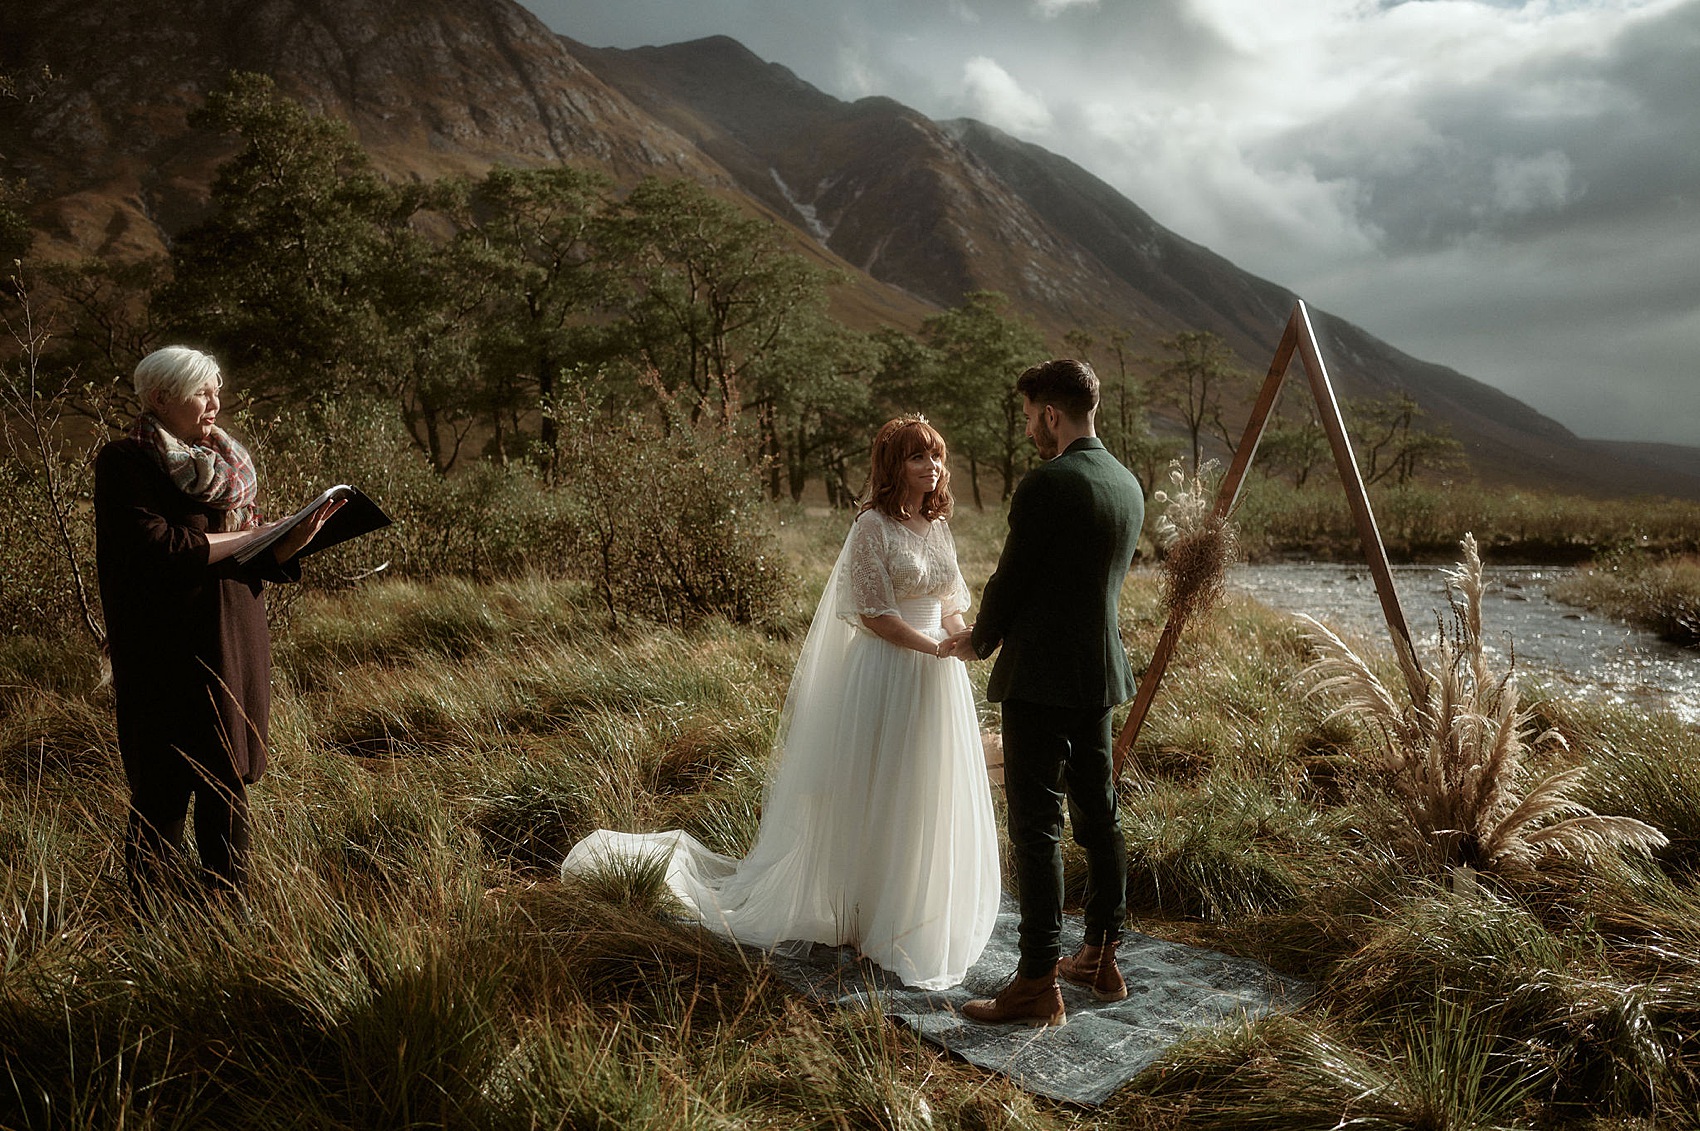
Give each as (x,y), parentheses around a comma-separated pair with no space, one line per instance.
(408,959)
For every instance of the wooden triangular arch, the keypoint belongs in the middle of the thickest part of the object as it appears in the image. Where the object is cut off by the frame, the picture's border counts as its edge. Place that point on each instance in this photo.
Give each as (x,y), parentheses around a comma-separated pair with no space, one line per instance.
(1301,339)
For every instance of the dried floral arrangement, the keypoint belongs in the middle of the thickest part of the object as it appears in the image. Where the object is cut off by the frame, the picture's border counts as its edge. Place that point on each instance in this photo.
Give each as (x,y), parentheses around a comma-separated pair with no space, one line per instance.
(1197,544)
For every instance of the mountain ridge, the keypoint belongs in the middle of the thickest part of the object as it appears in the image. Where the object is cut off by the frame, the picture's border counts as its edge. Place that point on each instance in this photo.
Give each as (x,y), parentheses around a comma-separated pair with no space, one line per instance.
(916,212)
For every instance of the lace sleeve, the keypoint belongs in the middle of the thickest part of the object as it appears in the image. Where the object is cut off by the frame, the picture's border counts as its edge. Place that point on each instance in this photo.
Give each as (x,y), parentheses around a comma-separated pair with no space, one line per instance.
(957,600)
(865,589)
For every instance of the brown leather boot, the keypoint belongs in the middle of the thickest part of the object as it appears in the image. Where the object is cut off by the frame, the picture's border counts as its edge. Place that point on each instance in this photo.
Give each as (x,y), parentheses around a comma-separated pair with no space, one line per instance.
(1030,1001)
(1095,968)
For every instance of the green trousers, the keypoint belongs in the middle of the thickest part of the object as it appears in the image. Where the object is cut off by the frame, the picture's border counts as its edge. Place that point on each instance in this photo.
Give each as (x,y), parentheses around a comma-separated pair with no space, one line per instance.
(1055,756)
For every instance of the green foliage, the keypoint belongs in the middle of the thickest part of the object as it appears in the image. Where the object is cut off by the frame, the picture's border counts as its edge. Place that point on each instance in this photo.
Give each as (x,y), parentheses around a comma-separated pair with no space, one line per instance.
(282,281)
(709,293)
(1219,856)
(813,403)
(536,236)
(974,354)
(667,524)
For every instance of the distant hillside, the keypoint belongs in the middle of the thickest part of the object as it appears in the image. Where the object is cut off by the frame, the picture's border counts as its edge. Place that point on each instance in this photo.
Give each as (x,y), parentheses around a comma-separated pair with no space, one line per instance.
(916,213)
(1671,459)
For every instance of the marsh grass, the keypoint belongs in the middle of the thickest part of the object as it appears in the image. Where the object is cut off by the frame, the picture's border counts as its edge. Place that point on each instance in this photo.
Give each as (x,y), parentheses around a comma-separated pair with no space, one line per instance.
(1659,595)
(407,957)
(1233,852)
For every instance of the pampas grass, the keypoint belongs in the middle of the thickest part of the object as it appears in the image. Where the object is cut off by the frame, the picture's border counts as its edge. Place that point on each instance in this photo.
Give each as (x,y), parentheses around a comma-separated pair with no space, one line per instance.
(1463,761)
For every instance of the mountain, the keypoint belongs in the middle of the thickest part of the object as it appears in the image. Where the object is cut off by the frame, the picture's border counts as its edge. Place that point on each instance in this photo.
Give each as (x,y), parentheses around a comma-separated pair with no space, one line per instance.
(916,212)
(430,89)
(943,208)
(1673,459)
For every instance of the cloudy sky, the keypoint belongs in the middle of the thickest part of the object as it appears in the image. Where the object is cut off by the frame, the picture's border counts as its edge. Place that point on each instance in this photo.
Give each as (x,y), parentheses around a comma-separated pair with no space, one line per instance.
(1510,188)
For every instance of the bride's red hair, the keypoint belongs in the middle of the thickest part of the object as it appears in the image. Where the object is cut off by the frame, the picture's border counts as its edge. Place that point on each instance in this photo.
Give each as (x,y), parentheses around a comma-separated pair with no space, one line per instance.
(895,442)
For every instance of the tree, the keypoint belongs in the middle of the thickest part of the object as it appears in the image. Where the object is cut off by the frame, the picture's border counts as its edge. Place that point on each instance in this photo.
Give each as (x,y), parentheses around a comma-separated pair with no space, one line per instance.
(1293,442)
(709,294)
(1200,373)
(314,277)
(813,404)
(979,352)
(1123,417)
(107,312)
(281,279)
(534,235)
(1393,444)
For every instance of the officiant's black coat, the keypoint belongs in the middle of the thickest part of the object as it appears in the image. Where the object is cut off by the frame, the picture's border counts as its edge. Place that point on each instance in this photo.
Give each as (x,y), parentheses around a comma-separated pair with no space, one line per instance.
(190,648)
(1053,601)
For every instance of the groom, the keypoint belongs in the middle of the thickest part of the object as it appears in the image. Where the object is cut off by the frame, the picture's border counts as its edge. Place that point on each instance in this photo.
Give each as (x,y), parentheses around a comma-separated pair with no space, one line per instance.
(1052,606)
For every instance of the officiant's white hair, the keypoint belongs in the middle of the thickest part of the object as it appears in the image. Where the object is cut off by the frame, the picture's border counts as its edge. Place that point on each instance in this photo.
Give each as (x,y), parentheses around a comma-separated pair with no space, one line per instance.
(170,374)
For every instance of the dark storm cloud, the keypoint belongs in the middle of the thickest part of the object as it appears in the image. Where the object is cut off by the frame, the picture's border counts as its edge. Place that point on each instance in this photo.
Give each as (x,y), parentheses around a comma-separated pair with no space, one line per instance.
(1574,137)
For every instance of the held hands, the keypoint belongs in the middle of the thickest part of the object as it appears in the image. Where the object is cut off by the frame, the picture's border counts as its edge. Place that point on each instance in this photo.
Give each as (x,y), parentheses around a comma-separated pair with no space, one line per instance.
(957,647)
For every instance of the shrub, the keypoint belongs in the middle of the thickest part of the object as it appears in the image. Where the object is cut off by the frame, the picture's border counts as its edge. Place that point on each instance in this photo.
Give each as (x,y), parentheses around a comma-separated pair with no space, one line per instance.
(668,523)
(39,564)
(487,521)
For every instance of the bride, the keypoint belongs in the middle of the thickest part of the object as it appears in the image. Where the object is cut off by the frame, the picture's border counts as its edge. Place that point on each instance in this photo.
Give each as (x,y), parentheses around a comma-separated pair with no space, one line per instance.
(876,827)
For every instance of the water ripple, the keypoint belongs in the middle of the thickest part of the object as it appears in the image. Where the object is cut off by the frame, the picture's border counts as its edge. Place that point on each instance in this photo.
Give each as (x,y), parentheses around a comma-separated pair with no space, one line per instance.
(1589,656)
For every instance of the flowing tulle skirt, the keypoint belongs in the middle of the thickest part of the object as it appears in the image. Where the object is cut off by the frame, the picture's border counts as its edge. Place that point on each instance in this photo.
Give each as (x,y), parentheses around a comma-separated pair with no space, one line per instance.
(878,830)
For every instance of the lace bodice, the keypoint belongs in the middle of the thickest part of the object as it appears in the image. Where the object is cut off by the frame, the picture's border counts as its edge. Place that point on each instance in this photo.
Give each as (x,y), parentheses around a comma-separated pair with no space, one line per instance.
(890,564)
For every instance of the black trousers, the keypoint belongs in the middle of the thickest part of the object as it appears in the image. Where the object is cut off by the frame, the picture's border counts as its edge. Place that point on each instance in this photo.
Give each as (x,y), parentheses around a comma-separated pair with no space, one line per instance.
(162,783)
(1055,756)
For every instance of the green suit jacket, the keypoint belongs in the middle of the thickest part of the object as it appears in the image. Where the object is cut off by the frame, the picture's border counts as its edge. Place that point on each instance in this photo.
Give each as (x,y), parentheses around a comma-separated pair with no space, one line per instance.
(1052,603)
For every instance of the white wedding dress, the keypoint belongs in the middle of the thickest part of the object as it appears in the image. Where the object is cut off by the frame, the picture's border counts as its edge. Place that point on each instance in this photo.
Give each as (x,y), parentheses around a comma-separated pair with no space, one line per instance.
(876,827)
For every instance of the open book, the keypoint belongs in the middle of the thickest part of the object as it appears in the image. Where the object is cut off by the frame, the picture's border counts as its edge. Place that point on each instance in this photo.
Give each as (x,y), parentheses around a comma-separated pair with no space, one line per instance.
(358,515)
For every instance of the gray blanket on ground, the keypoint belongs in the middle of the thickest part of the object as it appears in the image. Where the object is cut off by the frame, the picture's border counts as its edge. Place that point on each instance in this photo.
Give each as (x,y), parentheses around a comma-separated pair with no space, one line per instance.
(1173,989)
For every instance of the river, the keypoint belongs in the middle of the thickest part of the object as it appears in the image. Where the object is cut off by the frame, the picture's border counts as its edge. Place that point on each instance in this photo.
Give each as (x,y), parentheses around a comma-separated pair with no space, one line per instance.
(1588,656)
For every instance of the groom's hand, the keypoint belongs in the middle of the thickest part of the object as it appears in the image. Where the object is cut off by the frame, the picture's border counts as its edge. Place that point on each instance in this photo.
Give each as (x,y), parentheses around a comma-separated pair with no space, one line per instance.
(959,646)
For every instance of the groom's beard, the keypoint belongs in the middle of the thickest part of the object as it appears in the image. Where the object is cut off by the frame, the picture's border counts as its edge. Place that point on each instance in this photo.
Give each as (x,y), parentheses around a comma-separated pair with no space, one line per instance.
(1044,439)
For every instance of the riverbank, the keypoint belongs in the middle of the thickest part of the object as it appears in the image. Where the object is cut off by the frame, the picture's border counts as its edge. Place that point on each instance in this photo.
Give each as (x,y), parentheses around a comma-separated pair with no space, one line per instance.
(1661,596)
(1422,523)
(1581,653)
(407,957)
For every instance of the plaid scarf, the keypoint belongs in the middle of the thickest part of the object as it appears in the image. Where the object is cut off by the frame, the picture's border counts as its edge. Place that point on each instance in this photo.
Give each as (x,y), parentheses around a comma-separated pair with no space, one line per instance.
(219,473)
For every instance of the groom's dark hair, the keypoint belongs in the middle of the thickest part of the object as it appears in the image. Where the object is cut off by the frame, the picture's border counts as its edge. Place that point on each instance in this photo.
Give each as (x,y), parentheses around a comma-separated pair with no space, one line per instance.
(1068,385)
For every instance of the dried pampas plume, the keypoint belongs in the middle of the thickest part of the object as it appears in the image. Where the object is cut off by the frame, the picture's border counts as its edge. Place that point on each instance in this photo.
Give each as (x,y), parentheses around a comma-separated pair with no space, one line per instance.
(1463,763)
(1197,545)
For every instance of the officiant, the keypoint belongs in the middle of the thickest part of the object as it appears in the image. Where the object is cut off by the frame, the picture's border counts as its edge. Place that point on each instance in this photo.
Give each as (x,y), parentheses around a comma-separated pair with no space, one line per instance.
(186,621)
